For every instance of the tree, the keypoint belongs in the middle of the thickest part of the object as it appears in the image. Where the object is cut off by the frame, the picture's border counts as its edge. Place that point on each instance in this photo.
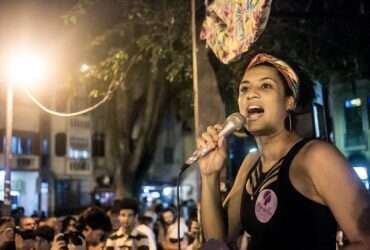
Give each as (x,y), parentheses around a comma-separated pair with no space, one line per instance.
(144,57)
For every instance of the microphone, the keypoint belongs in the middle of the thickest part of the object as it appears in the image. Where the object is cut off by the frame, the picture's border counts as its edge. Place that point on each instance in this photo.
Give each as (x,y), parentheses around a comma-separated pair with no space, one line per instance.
(233,122)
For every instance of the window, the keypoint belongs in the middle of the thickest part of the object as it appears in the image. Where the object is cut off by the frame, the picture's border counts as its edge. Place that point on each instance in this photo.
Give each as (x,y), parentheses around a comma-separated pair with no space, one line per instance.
(60,144)
(21,146)
(45,146)
(2,144)
(353,122)
(319,121)
(368,110)
(79,123)
(79,148)
(98,145)
(79,165)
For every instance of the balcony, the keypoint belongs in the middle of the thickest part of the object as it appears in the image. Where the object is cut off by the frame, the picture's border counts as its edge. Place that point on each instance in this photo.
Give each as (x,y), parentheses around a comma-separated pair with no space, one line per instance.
(22,162)
(79,167)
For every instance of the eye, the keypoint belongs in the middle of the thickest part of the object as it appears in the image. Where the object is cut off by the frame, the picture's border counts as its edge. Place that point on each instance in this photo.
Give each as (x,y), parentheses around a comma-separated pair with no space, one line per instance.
(243,89)
(266,85)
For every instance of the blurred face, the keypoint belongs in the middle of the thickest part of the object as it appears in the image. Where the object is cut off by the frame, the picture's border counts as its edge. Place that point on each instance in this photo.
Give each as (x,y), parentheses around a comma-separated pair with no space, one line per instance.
(72,226)
(127,219)
(168,217)
(262,100)
(7,236)
(28,223)
(93,236)
(114,220)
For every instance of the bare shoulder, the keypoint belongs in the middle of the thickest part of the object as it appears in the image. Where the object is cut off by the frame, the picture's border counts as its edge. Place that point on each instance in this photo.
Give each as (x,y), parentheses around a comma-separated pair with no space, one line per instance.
(317,148)
(331,174)
(324,164)
(318,154)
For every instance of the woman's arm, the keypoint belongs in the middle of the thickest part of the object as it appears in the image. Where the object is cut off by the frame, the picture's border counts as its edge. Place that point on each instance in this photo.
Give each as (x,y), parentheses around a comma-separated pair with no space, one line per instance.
(210,168)
(339,187)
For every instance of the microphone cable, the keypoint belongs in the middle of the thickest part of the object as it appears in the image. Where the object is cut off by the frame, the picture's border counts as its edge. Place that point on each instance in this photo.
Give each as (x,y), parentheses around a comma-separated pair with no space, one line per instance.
(182,170)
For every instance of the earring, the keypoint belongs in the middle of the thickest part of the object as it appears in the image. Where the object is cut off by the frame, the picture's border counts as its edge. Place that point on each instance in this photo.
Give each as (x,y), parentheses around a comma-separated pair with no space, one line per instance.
(290,120)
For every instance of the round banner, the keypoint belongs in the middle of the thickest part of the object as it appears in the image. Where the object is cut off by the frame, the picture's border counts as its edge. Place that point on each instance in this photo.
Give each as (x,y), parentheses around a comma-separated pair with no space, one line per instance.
(266,205)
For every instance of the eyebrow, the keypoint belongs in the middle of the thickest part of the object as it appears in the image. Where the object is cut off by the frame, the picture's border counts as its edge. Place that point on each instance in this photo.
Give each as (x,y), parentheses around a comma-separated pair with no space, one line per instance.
(261,79)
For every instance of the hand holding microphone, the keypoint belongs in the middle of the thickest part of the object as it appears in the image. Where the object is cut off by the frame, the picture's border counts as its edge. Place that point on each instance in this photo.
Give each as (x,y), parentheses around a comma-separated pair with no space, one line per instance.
(213,140)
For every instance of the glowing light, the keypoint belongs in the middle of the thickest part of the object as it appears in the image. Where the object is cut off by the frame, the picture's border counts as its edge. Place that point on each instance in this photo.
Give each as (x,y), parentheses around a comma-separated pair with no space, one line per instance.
(155,195)
(84,68)
(356,102)
(252,150)
(361,172)
(26,67)
(147,189)
(167,191)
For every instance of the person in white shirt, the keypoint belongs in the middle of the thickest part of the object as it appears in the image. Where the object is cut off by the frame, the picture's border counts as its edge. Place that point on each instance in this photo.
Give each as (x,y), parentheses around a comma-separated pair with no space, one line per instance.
(144,226)
(127,237)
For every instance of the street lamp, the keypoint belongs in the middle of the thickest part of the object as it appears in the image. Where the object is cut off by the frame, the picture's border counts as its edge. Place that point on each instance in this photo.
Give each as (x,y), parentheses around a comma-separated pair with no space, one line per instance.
(84,68)
(24,68)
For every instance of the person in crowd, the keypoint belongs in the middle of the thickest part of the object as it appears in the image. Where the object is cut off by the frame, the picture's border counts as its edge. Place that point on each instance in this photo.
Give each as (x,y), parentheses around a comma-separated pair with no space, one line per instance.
(113,216)
(17,214)
(145,226)
(167,234)
(7,240)
(69,224)
(27,223)
(93,224)
(292,192)
(24,240)
(127,236)
(52,222)
(194,234)
(25,233)
(152,216)
(44,236)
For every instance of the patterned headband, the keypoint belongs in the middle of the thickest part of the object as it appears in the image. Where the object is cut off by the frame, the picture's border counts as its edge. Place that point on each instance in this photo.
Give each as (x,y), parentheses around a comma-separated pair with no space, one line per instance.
(288,73)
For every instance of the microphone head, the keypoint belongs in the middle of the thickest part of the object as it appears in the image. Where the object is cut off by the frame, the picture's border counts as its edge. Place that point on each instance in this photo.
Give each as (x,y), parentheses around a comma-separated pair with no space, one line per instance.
(233,123)
(236,119)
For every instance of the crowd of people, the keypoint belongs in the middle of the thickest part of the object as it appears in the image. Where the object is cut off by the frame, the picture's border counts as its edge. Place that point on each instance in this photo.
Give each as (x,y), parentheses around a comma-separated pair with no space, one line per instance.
(122,226)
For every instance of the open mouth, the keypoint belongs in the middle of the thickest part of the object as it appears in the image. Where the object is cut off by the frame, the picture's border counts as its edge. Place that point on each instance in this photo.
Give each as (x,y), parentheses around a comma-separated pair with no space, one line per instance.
(255,111)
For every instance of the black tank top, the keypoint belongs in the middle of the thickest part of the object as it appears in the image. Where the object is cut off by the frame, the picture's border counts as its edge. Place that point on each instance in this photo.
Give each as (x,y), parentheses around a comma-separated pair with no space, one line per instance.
(279,217)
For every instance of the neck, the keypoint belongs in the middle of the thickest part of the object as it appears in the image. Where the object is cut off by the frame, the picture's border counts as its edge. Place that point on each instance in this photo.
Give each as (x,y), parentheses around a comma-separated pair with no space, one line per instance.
(275,146)
(127,230)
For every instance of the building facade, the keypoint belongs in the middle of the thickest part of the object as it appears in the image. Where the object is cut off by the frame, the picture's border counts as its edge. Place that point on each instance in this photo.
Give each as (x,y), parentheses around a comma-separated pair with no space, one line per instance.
(52,157)
(350,109)
(71,163)
(26,153)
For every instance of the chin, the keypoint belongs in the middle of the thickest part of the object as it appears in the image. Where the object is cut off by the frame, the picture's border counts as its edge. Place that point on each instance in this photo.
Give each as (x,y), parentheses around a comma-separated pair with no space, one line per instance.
(260,131)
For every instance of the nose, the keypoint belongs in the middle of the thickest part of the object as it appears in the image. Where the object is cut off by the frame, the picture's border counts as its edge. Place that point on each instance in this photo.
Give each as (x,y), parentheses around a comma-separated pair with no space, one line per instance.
(252,94)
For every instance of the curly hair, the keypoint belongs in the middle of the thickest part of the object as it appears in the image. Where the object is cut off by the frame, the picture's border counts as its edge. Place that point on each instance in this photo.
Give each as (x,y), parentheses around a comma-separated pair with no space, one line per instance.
(95,218)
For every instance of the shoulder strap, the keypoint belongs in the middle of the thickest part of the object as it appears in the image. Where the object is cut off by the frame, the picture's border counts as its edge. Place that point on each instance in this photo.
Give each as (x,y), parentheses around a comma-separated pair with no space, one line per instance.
(292,153)
(295,149)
